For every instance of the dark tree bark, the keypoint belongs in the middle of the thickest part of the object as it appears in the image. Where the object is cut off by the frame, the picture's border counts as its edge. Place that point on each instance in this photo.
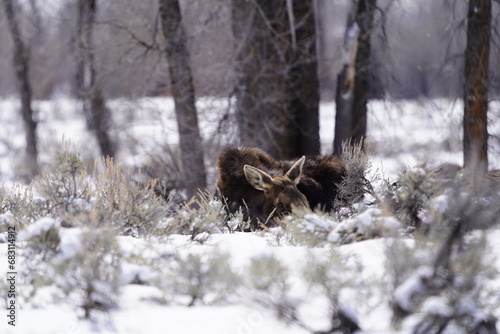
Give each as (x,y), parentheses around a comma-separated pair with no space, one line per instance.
(304,80)
(277,87)
(21,66)
(97,114)
(256,59)
(343,115)
(476,86)
(184,97)
(353,81)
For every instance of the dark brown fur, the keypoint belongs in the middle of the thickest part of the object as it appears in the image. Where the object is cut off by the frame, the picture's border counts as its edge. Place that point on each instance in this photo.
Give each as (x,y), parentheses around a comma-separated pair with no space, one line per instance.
(320,177)
(318,183)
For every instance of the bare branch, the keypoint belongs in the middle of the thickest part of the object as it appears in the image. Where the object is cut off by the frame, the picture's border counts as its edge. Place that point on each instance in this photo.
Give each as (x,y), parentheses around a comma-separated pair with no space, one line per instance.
(291,20)
(147,45)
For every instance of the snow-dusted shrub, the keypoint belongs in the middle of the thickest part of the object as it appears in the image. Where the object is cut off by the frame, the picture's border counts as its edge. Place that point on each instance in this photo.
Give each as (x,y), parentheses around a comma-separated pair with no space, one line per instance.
(200,218)
(417,190)
(67,192)
(164,164)
(266,273)
(451,288)
(3,195)
(307,228)
(60,191)
(409,195)
(43,235)
(339,286)
(475,206)
(270,284)
(80,262)
(368,224)
(319,285)
(42,243)
(87,268)
(317,229)
(136,255)
(354,185)
(190,277)
(133,208)
(6,220)
(64,187)
(25,207)
(402,259)
(457,295)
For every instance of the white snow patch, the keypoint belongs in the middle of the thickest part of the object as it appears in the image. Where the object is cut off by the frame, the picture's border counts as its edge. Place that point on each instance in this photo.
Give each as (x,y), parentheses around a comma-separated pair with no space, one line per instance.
(391,223)
(412,286)
(71,242)
(39,227)
(134,273)
(437,306)
(313,222)
(440,203)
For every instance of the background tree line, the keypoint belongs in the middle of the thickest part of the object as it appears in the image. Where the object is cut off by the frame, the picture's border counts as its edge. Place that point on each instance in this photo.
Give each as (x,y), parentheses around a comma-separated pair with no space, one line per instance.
(277,58)
(418,51)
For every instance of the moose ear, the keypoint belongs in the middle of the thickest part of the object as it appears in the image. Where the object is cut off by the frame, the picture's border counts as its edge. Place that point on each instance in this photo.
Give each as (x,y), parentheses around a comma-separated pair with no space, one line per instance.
(259,179)
(296,170)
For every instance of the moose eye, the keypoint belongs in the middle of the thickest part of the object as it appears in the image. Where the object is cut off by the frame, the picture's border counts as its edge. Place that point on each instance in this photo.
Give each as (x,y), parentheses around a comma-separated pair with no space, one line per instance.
(281,206)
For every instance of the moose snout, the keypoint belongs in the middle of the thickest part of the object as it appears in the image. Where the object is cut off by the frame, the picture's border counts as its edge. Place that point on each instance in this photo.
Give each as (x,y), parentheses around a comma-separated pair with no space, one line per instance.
(300,205)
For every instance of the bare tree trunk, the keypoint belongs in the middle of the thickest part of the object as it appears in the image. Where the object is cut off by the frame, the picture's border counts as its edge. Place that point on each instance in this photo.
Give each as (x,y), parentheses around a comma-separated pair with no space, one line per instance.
(21,65)
(303,79)
(184,96)
(97,114)
(352,90)
(476,86)
(259,84)
(343,117)
(277,87)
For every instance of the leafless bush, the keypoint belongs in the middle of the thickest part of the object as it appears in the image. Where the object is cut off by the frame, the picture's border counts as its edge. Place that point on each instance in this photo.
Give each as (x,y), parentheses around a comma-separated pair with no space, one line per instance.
(200,217)
(190,278)
(454,270)
(88,270)
(355,185)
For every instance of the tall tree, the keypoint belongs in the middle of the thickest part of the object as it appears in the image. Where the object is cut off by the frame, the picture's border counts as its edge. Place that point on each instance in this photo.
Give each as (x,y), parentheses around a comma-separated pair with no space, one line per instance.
(97,114)
(277,87)
(184,97)
(303,79)
(353,81)
(21,66)
(476,86)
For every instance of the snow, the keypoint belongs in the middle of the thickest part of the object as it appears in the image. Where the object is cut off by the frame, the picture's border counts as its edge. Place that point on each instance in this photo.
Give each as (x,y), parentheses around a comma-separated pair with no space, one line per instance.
(6,218)
(412,286)
(437,306)
(402,135)
(39,227)
(312,222)
(71,242)
(144,318)
(132,273)
(493,237)
(391,223)
(370,254)
(440,203)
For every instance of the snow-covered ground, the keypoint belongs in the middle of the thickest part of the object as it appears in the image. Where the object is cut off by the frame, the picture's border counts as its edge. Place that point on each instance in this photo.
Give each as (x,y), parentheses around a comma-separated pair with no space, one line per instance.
(401,135)
(138,313)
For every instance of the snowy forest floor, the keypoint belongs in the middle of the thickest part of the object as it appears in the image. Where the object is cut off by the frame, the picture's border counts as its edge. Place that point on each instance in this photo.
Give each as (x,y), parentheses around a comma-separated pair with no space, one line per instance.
(84,251)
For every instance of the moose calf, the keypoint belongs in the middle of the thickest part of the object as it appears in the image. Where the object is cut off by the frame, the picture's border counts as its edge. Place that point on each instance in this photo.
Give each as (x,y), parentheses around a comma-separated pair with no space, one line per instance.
(266,189)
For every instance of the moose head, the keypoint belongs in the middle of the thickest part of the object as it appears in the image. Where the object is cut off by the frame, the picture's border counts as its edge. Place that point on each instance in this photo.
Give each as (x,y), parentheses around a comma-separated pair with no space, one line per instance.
(281,193)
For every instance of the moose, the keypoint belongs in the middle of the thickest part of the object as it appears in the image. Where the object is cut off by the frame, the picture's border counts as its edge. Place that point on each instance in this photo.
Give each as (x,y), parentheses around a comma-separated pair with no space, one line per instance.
(266,189)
